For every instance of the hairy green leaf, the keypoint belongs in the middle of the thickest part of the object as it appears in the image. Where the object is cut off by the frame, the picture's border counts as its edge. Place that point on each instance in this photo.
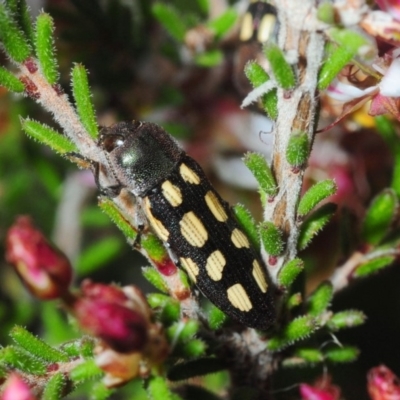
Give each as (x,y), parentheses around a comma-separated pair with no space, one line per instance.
(257,164)
(44,44)
(44,134)
(290,271)
(281,69)
(320,191)
(83,101)
(13,39)
(10,81)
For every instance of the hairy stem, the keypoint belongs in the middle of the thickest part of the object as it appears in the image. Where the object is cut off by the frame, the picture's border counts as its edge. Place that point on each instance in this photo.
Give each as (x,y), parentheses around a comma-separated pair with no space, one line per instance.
(304,47)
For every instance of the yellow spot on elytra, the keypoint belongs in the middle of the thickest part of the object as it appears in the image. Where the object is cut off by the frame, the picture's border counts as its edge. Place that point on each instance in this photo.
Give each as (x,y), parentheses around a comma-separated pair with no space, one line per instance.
(266,27)
(191,268)
(215,206)
(215,265)
(188,175)
(259,276)
(238,297)
(172,193)
(239,239)
(193,229)
(158,227)
(246,30)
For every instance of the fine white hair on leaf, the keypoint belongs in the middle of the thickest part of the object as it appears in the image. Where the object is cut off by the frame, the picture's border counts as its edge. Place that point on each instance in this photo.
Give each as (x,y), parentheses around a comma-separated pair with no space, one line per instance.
(255,94)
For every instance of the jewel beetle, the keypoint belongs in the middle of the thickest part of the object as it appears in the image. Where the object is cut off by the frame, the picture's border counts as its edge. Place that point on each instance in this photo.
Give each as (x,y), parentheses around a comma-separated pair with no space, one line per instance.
(189,216)
(259,22)
(259,26)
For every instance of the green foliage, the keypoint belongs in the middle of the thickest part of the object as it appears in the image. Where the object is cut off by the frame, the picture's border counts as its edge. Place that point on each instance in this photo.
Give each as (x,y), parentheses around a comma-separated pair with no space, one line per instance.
(257,76)
(346,319)
(188,330)
(204,5)
(326,12)
(296,330)
(209,58)
(98,254)
(44,45)
(257,164)
(13,39)
(169,17)
(115,215)
(99,391)
(386,129)
(380,216)
(157,389)
(10,82)
(36,346)
(294,301)
(55,387)
(83,101)
(320,191)
(198,367)
(289,272)
(79,347)
(56,327)
(168,309)
(298,149)
(215,317)
(194,348)
(191,341)
(48,136)
(175,331)
(246,221)
(320,299)
(309,355)
(154,248)
(349,43)
(223,23)
(85,371)
(93,217)
(184,279)
(373,265)
(21,13)
(281,69)
(314,223)
(16,357)
(271,238)
(182,338)
(180,334)
(344,354)
(155,279)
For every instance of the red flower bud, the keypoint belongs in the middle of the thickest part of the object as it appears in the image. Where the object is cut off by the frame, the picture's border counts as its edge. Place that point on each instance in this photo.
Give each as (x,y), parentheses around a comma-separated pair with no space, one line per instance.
(321,390)
(16,389)
(43,269)
(106,312)
(383,384)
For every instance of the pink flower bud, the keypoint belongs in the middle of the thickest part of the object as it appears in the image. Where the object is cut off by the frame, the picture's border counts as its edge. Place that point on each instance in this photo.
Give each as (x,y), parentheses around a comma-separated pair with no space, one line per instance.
(106,312)
(16,389)
(390,6)
(383,384)
(43,269)
(321,390)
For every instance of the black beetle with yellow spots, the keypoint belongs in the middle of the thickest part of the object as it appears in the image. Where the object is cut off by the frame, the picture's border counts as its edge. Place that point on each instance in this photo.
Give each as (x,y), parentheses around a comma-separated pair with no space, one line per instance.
(190,217)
